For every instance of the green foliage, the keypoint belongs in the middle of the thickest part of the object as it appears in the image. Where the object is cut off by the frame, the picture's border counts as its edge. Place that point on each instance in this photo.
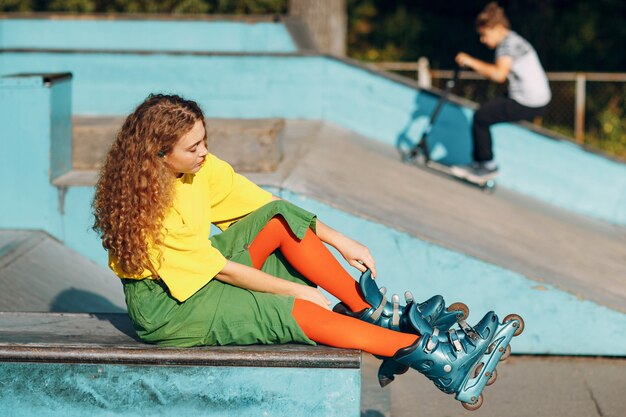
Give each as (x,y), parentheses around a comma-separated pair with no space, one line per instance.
(404,30)
(74,6)
(608,132)
(148,6)
(16,5)
(153,6)
(250,6)
(390,38)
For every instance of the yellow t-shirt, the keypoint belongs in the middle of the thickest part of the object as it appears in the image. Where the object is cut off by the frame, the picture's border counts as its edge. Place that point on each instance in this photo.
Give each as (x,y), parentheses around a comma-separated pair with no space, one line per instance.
(215,194)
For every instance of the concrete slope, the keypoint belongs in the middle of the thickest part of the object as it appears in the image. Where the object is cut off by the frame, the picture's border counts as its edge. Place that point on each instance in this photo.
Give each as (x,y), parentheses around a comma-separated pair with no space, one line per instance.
(40,274)
(581,256)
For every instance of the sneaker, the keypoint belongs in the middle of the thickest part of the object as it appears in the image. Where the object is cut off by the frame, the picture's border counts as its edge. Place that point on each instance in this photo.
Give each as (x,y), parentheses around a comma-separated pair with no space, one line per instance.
(475,170)
(483,168)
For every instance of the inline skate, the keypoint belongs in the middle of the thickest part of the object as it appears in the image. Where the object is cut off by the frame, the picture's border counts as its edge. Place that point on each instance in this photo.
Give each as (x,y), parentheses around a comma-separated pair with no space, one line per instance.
(417,318)
(458,362)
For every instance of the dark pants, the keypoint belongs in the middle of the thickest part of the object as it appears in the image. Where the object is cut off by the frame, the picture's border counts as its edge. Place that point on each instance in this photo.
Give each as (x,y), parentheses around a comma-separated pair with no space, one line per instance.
(501,109)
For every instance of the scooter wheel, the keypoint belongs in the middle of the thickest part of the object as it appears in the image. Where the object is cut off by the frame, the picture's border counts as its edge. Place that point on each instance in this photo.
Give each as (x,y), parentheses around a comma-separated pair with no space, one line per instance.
(489,187)
(405,156)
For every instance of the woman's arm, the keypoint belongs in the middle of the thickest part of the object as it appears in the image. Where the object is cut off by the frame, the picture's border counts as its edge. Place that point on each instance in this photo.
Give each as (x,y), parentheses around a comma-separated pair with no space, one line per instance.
(252,279)
(495,72)
(356,254)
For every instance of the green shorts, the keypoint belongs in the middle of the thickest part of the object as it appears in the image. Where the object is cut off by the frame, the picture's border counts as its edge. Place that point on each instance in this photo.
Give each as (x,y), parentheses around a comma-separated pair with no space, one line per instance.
(219,313)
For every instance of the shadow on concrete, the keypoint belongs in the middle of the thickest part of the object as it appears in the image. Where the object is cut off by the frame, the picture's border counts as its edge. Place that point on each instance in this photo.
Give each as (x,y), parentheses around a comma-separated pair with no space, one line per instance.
(121,322)
(80,301)
(75,300)
(372,413)
(449,139)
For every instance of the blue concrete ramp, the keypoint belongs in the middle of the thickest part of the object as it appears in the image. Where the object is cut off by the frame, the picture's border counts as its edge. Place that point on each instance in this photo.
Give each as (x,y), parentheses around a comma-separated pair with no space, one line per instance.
(548,244)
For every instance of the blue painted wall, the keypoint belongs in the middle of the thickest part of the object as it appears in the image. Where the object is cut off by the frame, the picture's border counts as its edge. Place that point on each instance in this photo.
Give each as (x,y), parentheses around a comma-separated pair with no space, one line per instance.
(41,390)
(145,35)
(76,232)
(29,201)
(61,128)
(556,172)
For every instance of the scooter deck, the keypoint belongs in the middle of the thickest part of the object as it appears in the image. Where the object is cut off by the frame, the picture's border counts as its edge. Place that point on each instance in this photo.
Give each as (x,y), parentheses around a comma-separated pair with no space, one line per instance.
(486,182)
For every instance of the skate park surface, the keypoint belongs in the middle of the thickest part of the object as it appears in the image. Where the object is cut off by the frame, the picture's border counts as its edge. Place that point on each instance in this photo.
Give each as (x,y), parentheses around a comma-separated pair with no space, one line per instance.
(531,248)
(527,385)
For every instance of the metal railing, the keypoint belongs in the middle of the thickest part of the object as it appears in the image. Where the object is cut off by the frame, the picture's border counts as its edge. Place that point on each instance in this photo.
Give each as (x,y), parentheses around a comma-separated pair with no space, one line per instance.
(570,103)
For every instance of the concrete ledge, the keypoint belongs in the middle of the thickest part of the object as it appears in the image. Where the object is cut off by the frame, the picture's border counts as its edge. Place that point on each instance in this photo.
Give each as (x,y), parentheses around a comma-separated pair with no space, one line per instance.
(249,145)
(46,78)
(110,339)
(70,365)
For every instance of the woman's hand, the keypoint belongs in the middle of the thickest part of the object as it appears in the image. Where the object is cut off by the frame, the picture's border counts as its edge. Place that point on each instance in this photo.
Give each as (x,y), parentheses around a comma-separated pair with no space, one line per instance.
(312,294)
(356,254)
(244,276)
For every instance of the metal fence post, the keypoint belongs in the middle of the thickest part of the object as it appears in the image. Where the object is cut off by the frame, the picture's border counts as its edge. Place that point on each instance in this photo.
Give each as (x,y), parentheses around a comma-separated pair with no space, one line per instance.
(424,79)
(579,119)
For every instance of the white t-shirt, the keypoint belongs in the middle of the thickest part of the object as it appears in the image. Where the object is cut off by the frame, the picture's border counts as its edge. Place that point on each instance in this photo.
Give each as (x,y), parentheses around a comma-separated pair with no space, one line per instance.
(528,83)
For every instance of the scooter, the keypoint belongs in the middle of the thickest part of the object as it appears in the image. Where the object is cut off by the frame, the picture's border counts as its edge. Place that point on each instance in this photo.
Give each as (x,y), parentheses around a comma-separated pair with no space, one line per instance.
(419,154)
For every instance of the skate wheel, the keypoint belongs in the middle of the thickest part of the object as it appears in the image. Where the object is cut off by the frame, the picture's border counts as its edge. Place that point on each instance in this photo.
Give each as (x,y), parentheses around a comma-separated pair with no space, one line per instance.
(511,317)
(493,377)
(506,354)
(475,405)
(478,369)
(463,310)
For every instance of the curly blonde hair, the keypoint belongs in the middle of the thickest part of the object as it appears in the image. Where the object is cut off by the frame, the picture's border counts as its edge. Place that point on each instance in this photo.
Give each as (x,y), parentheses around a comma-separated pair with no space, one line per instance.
(491,16)
(135,187)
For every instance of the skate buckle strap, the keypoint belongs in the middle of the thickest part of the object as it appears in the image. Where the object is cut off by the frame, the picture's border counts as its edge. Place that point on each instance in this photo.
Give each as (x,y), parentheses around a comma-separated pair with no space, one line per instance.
(454,339)
(468,330)
(433,341)
(395,320)
(408,296)
(379,310)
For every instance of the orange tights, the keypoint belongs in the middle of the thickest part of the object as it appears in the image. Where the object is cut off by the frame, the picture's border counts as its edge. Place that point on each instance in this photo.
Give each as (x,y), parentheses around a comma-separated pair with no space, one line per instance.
(313,260)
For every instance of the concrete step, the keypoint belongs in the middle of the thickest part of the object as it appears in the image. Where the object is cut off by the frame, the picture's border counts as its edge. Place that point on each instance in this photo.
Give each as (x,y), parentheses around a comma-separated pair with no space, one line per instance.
(253,145)
(83,364)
